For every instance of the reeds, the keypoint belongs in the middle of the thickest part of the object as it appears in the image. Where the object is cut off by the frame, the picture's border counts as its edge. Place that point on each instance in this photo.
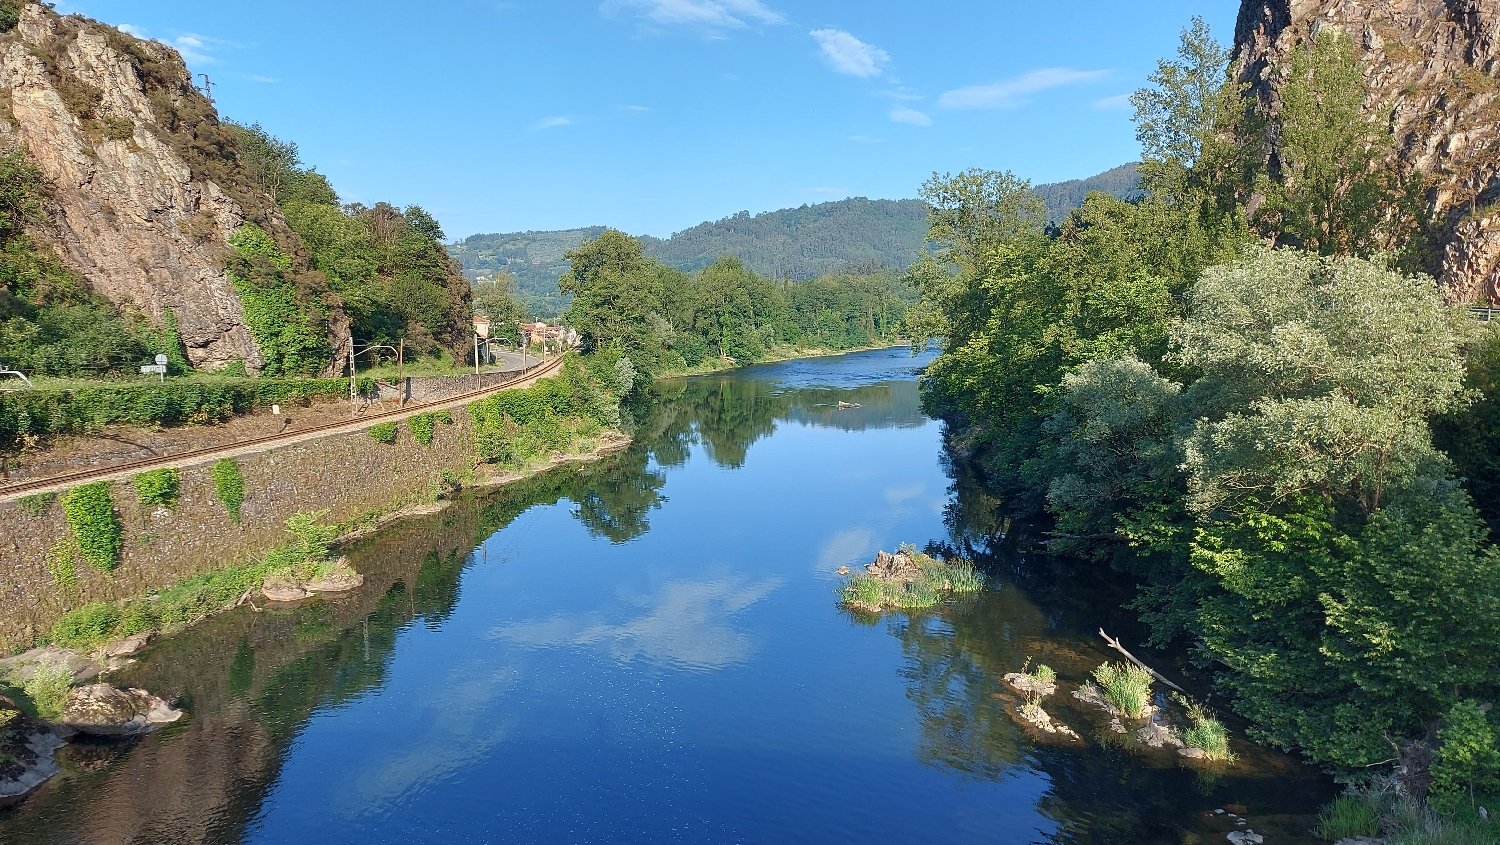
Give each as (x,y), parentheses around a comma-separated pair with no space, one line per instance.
(1126,687)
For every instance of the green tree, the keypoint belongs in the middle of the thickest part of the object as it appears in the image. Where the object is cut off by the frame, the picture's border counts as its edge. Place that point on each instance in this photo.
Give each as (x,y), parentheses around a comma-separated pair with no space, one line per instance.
(616,291)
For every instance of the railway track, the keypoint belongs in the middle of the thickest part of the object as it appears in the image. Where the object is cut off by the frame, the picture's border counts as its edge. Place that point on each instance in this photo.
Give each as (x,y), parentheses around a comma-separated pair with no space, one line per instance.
(192,456)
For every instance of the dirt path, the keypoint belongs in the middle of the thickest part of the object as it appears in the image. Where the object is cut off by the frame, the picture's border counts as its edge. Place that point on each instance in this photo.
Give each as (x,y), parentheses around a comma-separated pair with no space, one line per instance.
(261,443)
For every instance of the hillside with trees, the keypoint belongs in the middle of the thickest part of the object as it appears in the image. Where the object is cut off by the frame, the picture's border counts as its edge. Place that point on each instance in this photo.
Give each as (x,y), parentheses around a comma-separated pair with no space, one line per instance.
(852,235)
(256,268)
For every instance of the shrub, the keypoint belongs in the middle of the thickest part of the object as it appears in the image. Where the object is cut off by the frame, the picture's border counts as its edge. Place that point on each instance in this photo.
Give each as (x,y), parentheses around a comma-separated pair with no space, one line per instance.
(1043,674)
(62,562)
(229,484)
(1468,757)
(37,505)
(384,432)
(1347,818)
(422,426)
(1125,686)
(48,689)
(91,514)
(157,487)
(187,602)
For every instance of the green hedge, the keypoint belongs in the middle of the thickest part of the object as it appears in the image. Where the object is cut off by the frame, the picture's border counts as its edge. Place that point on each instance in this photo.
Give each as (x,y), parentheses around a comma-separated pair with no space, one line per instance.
(50,412)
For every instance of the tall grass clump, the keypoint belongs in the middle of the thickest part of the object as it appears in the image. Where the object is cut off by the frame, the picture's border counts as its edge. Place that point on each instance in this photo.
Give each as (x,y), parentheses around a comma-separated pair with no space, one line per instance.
(1347,818)
(1126,687)
(1042,674)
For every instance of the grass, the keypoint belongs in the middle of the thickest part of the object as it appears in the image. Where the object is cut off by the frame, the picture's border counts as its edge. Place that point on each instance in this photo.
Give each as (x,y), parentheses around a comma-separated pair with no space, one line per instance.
(867,592)
(1205,731)
(1125,686)
(197,598)
(1346,818)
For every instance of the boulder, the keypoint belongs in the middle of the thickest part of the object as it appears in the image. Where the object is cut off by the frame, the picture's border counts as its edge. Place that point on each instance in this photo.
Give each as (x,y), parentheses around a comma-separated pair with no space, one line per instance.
(894,567)
(27,751)
(1245,837)
(338,582)
(128,646)
(1158,735)
(104,710)
(1193,753)
(277,591)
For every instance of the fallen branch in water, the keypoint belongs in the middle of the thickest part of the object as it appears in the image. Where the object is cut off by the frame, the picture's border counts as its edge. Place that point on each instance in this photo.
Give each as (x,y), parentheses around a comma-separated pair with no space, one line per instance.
(1115,644)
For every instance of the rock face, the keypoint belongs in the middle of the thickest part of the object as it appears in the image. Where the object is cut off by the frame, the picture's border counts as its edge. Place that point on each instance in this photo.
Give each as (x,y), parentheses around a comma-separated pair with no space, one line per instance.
(1437,64)
(103,710)
(125,210)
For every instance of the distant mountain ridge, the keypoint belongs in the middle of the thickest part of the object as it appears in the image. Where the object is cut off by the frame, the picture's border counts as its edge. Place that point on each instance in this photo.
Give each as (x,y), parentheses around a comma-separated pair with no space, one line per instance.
(798,243)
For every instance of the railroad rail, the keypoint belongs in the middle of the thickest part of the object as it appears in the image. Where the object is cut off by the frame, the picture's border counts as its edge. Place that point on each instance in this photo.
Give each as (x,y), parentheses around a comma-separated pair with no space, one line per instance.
(191,457)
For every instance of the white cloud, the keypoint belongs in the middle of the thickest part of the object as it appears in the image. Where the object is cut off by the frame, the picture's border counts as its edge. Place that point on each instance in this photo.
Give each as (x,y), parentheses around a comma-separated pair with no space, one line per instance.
(194,48)
(1010,93)
(713,14)
(847,54)
(1116,103)
(551,123)
(636,108)
(902,114)
(254,77)
(132,29)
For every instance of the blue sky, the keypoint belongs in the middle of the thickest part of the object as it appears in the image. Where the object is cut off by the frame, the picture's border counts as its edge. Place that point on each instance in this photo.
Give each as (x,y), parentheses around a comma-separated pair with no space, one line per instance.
(655,115)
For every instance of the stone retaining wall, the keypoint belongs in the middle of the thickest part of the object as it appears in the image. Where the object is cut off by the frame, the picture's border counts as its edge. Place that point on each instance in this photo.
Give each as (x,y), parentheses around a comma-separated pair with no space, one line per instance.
(424,389)
(351,475)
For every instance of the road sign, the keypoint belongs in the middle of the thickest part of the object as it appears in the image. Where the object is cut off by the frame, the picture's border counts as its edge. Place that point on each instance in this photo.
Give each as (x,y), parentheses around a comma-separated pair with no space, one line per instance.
(161,360)
(159,370)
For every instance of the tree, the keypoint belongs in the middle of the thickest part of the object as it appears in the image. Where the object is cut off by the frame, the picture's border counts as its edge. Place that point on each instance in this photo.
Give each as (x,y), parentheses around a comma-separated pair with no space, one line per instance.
(1332,186)
(498,299)
(615,291)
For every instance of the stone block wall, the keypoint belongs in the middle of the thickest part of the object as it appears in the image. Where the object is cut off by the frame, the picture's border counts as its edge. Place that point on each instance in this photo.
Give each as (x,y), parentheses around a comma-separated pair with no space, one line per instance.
(351,475)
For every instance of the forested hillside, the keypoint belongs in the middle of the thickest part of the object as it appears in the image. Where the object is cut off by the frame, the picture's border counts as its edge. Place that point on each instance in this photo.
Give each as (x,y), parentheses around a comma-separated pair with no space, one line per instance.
(793,243)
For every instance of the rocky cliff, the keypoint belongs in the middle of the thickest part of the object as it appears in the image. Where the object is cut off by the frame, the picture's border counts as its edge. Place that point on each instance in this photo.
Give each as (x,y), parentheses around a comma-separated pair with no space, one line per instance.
(143,183)
(1434,65)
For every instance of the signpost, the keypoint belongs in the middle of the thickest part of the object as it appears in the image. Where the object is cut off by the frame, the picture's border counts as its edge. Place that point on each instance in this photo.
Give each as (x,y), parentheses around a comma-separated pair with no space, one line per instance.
(158,369)
(481,330)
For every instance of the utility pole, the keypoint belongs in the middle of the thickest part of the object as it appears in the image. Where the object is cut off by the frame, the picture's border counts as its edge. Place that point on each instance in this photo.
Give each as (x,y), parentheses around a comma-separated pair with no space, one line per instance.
(351,368)
(208,87)
(400,369)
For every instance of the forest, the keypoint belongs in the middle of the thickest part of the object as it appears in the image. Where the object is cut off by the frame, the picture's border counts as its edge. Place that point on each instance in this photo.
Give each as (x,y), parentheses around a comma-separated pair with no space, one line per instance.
(1265,415)
(666,320)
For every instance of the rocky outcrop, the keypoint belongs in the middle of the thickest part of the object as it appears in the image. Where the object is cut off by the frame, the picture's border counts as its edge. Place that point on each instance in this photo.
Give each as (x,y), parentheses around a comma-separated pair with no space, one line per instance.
(103,710)
(894,567)
(1435,66)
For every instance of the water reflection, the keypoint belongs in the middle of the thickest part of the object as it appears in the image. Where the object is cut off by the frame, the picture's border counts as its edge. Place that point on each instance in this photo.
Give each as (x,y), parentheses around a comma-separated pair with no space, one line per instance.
(687,680)
(687,623)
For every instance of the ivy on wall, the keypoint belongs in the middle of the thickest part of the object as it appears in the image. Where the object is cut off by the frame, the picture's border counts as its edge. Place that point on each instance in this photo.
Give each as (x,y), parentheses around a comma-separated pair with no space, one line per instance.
(229,484)
(90,511)
(383,432)
(158,488)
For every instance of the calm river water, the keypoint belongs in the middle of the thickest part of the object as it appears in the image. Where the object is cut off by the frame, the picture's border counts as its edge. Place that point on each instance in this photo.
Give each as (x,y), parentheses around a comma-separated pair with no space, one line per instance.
(651,650)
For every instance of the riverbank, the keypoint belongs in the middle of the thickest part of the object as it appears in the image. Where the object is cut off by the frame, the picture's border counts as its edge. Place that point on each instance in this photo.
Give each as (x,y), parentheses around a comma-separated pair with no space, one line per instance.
(776,355)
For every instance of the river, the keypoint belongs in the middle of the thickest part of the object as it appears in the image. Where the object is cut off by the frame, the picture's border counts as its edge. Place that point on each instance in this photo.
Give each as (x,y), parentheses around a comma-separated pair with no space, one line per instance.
(650,649)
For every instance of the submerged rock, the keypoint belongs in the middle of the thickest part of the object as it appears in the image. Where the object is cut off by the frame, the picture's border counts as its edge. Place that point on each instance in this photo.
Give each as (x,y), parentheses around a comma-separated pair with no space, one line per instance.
(1245,837)
(1033,716)
(104,710)
(27,749)
(1193,753)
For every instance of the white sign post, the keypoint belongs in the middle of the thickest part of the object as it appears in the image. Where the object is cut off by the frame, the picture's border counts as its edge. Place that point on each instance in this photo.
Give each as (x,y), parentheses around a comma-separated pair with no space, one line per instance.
(159,369)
